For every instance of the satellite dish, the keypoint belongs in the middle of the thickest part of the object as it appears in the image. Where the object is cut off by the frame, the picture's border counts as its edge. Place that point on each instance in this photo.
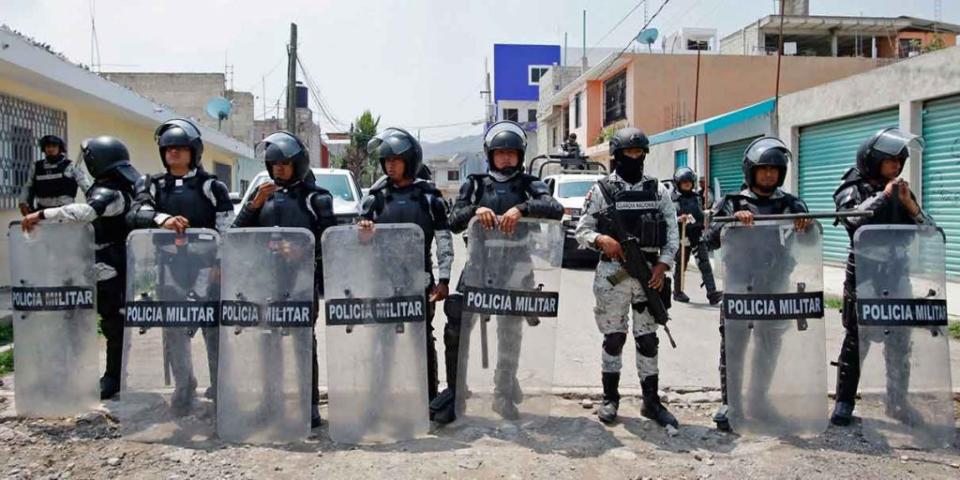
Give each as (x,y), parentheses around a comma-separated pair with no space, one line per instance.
(219,108)
(648,36)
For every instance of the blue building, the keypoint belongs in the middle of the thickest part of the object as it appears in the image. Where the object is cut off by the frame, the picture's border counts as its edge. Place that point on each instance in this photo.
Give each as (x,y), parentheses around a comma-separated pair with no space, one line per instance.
(517,70)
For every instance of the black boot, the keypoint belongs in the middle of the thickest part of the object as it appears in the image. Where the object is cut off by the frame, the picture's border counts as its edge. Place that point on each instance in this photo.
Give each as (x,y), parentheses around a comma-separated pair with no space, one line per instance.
(652,408)
(842,413)
(714,297)
(607,413)
(681,297)
(720,418)
(109,387)
(504,394)
(443,408)
(181,402)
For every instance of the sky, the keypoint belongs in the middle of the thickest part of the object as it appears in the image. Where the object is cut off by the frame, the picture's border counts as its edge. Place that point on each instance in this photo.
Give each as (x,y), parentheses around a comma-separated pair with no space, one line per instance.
(417,64)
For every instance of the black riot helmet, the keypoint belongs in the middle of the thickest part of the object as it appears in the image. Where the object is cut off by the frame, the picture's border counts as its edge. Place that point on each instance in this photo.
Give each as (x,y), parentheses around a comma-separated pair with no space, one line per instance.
(629,169)
(684,174)
(284,146)
(105,156)
(887,143)
(505,135)
(179,132)
(397,142)
(52,140)
(765,151)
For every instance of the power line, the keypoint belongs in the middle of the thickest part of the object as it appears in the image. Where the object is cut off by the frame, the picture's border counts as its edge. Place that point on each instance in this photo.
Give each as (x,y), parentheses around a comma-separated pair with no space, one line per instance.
(645,25)
(319,100)
(620,22)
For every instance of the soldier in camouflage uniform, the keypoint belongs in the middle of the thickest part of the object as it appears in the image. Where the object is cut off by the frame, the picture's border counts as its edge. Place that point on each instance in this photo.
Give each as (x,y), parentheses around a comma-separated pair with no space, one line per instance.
(645,205)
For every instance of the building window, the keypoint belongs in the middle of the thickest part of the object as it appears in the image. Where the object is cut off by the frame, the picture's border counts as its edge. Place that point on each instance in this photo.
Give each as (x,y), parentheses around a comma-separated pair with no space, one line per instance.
(553,137)
(535,73)
(532,115)
(910,47)
(565,125)
(22,123)
(224,173)
(511,114)
(679,158)
(698,45)
(453,176)
(615,98)
(576,111)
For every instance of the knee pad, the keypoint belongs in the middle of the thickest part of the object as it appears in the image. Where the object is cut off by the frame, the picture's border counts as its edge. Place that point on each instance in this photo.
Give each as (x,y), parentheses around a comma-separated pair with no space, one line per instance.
(647,345)
(613,343)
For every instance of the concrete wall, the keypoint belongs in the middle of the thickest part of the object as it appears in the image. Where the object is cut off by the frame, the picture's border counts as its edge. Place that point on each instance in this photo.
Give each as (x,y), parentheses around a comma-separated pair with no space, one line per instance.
(904,85)
(743,42)
(85,120)
(188,94)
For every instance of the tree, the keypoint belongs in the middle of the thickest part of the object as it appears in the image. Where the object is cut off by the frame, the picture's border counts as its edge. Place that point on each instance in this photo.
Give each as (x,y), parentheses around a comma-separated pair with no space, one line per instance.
(356,158)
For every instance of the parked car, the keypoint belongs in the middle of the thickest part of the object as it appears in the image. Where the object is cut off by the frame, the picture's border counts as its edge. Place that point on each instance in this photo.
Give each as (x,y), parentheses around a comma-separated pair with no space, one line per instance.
(340,183)
(570,189)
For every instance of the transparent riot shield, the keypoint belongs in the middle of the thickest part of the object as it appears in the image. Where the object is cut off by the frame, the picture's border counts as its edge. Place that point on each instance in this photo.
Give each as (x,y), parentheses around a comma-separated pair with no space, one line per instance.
(170,337)
(266,335)
(375,305)
(511,289)
(54,319)
(905,386)
(775,340)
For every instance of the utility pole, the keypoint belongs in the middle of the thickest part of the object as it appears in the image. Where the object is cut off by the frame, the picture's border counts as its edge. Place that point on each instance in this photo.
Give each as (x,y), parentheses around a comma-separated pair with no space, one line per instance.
(583,61)
(292,81)
(487,94)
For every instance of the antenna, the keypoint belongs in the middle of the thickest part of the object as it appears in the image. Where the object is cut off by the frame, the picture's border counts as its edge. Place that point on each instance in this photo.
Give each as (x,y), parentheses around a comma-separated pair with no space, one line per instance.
(94,42)
(219,108)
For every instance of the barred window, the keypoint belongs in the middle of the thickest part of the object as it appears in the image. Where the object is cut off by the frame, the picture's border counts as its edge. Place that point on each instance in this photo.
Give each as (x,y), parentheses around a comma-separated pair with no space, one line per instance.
(22,123)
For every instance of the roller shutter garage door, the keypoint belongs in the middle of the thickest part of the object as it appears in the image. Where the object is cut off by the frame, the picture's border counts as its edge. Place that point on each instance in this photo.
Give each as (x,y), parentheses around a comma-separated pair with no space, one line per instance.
(726,164)
(941,172)
(826,151)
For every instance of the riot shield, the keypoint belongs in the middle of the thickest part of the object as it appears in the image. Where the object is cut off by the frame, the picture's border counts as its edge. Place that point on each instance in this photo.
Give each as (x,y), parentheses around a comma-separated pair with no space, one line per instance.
(905,381)
(54,320)
(266,335)
(511,289)
(375,304)
(774,332)
(172,303)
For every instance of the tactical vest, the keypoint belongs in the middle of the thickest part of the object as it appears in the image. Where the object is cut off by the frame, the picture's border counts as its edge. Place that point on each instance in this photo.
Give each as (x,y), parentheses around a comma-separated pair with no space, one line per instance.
(50,182)
(500,196)
(639,211)
(185,197)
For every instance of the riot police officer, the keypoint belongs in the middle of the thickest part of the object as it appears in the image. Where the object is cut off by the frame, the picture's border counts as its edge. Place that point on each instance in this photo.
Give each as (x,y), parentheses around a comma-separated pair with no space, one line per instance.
(108,201)
(765,164)
(688,203)
(648,214)
(54,180)
(403,197)
(185,196)
(873,185)
(497,199)
(292,199)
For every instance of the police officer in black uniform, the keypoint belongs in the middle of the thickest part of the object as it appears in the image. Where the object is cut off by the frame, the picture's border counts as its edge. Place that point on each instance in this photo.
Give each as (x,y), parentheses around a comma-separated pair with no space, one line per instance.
(689,205)
(54,180)
(108,201)
(292,199)
(185,196)
(403,197)
(873,185)
(507,193)
(764,170)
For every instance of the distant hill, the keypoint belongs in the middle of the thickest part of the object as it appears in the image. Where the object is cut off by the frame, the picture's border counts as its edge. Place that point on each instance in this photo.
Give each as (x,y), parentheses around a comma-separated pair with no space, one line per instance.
(466,145)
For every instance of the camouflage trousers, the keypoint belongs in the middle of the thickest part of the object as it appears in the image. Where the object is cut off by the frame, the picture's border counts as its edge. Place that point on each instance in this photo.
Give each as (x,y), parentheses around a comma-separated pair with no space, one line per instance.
(612,312)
